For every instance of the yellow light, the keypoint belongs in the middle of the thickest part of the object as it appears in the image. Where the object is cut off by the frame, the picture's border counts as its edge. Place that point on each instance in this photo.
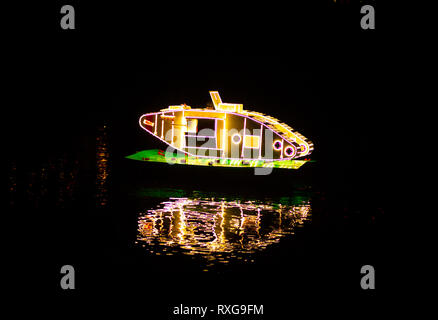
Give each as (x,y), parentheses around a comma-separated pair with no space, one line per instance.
(216,98)
(167,117)
(223,139)
(185,119)
(192,125)
(251,142)
(212,228)
(173,131)
(178,107)
(231,107)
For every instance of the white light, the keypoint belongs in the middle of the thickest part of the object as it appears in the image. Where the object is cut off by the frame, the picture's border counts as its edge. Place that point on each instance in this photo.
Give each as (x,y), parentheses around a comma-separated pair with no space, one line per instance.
(290,151)
(280,144)
(238,137)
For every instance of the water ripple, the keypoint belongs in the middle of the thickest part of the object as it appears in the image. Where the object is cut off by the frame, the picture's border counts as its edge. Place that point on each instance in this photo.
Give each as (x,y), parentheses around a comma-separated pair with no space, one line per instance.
(218,230)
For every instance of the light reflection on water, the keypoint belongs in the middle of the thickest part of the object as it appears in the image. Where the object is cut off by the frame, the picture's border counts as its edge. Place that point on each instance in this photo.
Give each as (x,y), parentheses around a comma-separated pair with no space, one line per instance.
(218,230)
(102,157)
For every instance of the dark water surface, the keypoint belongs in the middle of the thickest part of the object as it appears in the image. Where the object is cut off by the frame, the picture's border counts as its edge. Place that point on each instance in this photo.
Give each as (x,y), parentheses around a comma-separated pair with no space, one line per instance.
(129,220)
(158,235)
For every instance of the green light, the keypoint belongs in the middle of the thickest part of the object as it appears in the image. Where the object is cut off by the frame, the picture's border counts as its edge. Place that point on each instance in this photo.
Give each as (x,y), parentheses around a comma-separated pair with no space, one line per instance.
(156,155)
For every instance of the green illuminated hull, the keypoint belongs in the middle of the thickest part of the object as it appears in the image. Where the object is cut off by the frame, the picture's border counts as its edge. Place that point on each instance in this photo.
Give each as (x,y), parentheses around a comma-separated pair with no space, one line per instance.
(156,155)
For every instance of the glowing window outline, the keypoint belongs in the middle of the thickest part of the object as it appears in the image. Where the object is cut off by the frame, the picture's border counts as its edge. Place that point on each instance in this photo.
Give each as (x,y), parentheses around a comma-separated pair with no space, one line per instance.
(232,138)
(288,148)
(280,147)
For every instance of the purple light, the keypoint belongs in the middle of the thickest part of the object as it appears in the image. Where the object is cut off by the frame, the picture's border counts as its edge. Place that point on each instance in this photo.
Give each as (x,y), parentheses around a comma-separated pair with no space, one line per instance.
(239,138)
(277,145)
(290,151)
(218,118)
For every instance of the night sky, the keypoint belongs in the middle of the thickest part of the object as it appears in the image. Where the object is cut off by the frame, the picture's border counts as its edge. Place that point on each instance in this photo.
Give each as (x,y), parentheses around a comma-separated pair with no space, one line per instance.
(311,66)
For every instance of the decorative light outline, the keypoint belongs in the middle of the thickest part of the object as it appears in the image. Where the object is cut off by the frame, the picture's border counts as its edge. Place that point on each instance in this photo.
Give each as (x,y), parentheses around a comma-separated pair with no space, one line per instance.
(244,134)
(190,147)
(296,135)
(215,96)
(288,148)
(225,113)
(193,117)
(223,137)
(281,151)
(232,138)
(167,117)
(261,140)
(173,131)
(215,130)
(281,145)
(252,115)
(194,135)
(306,149)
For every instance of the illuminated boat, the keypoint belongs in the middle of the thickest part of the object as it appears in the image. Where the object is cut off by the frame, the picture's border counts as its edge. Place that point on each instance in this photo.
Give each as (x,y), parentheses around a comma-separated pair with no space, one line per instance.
(226,135)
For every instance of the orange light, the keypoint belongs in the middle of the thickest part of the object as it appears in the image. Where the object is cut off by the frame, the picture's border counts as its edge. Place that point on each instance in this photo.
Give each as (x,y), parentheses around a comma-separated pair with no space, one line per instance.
(167,117)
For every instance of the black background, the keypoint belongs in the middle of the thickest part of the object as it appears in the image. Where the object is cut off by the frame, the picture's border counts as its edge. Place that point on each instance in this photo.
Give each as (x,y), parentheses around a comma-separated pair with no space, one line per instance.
(160,54)
(309,65)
